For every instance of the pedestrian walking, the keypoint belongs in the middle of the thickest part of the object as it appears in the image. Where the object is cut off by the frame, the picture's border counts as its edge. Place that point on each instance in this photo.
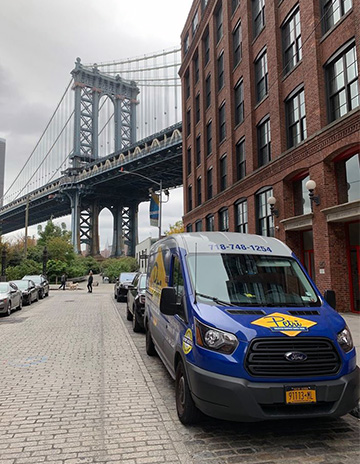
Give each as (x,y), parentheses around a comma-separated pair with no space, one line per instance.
(63,282)
(90,282)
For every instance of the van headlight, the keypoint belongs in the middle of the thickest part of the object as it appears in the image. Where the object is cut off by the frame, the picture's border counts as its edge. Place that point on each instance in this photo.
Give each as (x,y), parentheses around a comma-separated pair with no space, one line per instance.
(215,339)
(345,340)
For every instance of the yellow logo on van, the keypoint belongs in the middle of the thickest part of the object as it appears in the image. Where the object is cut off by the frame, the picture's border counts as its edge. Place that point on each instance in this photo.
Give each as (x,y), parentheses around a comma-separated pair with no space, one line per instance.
(157,279)
(187,341)
(285,324)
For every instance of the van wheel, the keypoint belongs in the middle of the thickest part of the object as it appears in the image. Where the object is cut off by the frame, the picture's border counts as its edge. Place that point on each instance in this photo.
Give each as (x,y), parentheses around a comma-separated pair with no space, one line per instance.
(149,344)
(185,406)
(129,316)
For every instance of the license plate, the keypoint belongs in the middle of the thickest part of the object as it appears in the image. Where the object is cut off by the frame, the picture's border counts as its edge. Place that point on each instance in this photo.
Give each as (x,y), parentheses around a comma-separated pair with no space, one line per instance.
(300,395)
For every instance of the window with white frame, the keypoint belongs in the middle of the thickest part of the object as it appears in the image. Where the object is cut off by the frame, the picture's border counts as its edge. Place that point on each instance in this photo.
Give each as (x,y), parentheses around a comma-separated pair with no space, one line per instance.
(241,216)
(291,40)
(295,118)
(261,76)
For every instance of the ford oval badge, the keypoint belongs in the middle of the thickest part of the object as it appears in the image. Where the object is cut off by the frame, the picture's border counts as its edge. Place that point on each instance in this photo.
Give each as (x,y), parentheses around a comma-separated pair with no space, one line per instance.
(295,356)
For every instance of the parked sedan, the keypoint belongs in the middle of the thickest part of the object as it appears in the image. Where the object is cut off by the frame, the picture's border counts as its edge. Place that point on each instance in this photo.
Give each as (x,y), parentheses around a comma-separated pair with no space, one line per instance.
(28,289)
(41,283)
(10,298)
(135,305)
(122,285)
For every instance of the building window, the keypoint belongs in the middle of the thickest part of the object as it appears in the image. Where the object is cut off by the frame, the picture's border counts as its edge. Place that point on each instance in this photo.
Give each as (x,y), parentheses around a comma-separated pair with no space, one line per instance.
(348,178)
(209,138)
(197,108)
(237,44)
(264,142)
(291,39)
(223,173)
(208,91)
(333,10)
(187,84)
(234,5)
(222,123)
(219,23)
(198,191)
(190,204)
(186,43)
(261,76)
(240,160)
(188,156)
(220,71)
(198,150)
(302,203)
(342,80)
(296,118)
(210,223)
(195,23)
(188,122)
(258,12)
(196,68)
(239,102)
(189,228)
(209,182)
(265,221)
(206,42)
(241,216)
(224,220)
(198,226)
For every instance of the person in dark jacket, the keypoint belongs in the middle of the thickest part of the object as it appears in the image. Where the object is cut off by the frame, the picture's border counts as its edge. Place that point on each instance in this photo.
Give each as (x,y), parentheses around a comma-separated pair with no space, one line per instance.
(90,282)
(63,282)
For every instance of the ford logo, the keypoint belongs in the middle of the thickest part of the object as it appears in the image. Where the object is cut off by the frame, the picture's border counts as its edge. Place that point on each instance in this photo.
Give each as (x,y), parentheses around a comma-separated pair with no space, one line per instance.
(295,356)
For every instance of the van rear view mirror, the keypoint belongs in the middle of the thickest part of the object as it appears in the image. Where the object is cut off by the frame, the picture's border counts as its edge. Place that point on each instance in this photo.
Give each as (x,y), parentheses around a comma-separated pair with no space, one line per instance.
(330,298)
(168,305)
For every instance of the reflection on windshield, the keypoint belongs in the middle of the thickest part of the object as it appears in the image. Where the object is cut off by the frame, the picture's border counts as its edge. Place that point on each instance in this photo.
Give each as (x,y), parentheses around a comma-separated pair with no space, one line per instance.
(252,280)
(142,283)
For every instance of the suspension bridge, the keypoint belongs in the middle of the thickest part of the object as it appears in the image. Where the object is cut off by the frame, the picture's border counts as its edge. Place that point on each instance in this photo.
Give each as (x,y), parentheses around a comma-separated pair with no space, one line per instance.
(114,119)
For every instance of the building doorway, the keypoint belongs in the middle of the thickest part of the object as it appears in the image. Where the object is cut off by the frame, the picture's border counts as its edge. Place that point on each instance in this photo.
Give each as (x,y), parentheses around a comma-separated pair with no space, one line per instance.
(353,235)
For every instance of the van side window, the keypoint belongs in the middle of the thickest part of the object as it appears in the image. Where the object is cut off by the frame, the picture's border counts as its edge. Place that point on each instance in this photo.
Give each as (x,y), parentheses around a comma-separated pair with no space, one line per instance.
(177,280)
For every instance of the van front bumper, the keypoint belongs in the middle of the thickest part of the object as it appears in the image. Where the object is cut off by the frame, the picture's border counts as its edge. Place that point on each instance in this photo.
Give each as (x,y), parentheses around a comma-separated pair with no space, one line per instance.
(237,399)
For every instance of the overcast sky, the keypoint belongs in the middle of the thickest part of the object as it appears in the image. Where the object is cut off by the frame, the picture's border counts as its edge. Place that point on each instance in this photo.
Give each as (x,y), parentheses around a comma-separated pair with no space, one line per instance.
(39,43)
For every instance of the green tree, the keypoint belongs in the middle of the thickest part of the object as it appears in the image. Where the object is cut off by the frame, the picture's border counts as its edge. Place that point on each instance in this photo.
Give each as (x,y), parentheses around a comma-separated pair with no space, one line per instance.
(27,266)
(55,268)
(112,267)
(59,248)
(52,230)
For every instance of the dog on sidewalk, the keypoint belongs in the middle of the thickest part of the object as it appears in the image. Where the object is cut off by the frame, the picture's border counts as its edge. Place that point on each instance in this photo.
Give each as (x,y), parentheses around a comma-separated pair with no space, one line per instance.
(73,286)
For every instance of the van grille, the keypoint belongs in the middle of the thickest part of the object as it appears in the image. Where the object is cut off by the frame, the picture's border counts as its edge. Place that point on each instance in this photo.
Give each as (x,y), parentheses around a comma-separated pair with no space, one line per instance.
(266,357)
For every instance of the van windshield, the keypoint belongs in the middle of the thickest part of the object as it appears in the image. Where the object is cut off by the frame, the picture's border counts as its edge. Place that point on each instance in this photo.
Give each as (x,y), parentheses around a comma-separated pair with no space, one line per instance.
(251,280)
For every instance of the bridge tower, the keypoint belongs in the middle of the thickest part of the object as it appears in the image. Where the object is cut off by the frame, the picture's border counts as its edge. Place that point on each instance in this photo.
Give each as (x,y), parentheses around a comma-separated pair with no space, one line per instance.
(89,86)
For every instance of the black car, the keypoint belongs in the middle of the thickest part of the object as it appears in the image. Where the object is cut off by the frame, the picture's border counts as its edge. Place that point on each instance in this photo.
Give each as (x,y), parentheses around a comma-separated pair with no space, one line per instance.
(135,305)
(41,283)
(122,285)
(28,289)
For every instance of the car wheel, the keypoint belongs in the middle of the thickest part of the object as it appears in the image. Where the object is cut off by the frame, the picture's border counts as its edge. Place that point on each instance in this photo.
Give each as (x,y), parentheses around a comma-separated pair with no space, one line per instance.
(37,296)
(129,316)
(149,344)
(29,300)
(188,413)
(20,304)
(41,295)
(118,298)
(8,312)
(135,323)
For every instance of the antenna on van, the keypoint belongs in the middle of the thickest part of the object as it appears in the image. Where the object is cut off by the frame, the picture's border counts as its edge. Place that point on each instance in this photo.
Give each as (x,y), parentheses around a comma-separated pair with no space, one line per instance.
(195,272)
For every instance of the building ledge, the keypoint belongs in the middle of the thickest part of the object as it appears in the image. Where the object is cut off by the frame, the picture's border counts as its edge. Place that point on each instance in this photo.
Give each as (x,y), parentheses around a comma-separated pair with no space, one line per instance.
(343,213)
(302,222)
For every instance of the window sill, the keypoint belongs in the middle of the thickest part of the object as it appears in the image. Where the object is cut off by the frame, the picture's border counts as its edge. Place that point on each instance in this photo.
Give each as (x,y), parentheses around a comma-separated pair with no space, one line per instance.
(291,70)
(261,101)
(258,34)
(332,29)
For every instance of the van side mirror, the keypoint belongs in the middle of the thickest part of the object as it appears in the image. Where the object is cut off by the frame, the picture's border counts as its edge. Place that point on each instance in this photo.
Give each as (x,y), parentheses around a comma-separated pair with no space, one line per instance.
(168,305)
(330,298)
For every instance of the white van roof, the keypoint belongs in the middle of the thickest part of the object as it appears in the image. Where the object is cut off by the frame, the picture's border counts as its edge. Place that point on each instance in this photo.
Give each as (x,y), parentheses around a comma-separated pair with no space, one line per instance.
(231,242)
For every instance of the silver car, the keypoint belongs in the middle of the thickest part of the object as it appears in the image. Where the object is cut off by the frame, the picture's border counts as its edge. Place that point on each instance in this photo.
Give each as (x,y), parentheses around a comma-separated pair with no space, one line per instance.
(10,298)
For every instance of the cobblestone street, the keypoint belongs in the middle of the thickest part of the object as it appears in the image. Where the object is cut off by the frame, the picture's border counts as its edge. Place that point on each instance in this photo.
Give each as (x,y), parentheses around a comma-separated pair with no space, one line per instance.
(78,387)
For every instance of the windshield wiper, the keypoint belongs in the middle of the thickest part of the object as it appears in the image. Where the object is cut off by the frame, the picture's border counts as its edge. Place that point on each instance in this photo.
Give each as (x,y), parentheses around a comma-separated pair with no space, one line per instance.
(214,299)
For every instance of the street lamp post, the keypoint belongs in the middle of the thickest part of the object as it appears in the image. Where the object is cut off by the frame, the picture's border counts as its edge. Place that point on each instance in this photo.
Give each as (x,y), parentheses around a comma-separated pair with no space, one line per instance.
(160,195)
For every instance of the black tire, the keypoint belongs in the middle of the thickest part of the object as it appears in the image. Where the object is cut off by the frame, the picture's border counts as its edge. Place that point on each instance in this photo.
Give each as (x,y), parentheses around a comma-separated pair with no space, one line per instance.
(37,297)
(8,312)
(187,412)
(29,300)
(118,298)
(20,304)
(135,323)
(41,295)
(129,316)
(149,344)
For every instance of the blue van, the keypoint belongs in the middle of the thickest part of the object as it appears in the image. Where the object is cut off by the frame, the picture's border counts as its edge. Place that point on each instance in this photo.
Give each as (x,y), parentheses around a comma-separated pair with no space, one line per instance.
(244,332)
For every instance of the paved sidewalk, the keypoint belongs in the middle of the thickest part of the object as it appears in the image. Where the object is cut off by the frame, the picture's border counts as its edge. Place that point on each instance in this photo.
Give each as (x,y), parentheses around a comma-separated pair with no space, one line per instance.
(74,389)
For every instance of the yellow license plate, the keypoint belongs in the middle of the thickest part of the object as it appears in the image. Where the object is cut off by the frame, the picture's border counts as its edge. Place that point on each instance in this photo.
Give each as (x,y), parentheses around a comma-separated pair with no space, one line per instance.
(301,395)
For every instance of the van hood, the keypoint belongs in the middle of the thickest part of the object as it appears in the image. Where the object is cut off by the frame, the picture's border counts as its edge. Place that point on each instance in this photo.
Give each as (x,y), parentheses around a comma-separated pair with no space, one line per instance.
(249,322)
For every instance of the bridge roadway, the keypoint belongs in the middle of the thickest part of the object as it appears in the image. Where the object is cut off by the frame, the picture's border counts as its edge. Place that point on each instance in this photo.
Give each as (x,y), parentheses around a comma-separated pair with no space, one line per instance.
(158,157)
(78,387)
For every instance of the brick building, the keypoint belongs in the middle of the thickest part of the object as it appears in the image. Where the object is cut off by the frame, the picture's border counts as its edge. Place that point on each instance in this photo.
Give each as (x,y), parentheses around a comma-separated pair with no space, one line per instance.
(270,100)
